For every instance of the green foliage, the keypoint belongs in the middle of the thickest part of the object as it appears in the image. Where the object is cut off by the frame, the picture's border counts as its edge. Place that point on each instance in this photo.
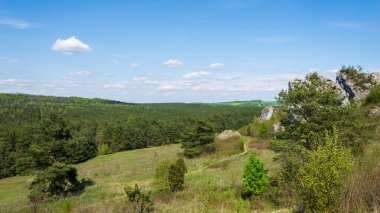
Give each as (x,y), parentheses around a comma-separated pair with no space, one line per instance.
(254,177)
(199,139)
(141,202)
(312,105)
(161,175)
(263,130)
(374,95)
(80,149)
(104,149)
(356,75)
(56,180)
(320,180)
(176,176)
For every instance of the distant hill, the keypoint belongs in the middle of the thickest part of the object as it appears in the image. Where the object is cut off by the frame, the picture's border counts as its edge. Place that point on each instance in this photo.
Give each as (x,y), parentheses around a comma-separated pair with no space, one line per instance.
(258,103)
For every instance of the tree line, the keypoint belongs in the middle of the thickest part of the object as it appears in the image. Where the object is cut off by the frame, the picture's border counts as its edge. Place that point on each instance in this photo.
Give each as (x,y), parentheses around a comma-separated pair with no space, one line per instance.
(38,131)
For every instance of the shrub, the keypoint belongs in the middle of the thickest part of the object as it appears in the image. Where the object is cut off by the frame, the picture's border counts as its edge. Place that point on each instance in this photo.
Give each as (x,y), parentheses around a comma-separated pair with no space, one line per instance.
(176,176)
(374,95)
(263,130)
(320,179)
(104,149)
(55,181)
(141,202)
(161,175)
(254,177)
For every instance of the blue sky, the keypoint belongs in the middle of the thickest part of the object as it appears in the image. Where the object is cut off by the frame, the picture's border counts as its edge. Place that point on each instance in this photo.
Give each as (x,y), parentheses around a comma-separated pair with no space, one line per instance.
(180,51)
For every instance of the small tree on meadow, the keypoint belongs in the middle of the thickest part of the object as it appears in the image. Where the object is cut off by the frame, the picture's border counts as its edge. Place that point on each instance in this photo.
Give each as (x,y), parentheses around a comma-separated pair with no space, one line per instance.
(254,177)
(140,201)
(177,175)
(55,181)
(320,180)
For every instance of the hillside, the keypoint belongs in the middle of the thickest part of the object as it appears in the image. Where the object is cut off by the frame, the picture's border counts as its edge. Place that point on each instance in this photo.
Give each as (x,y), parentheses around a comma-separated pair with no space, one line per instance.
(212,184)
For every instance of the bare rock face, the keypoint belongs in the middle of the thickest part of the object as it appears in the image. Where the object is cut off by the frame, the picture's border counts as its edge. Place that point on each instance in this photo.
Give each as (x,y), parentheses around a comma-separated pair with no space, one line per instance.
(357,85)
(277,127)
(226,134)
(266,114)
(375,111)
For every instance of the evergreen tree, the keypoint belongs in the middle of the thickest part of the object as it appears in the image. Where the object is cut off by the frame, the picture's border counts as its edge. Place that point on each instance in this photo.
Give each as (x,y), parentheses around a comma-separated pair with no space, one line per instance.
(56,180)
(177,175)
(254,177)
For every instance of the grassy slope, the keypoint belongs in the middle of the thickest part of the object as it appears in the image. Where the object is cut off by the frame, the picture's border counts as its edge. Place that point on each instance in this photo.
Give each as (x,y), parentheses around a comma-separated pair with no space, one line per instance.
(213,184)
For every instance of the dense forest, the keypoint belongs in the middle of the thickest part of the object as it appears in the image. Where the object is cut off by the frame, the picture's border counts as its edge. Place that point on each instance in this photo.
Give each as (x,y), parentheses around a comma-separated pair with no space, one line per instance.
(37,131)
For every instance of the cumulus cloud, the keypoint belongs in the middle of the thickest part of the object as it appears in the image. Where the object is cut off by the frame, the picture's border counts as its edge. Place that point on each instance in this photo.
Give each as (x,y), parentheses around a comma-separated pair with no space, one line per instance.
(173,63)
(81,73)
(15,23)
(8,81)
(196,74)
(114,86)
(70,46)
(216,65)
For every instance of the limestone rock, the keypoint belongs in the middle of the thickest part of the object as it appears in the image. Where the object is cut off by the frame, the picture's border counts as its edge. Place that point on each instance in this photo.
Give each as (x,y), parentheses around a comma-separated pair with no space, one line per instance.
(277,127)
(266,113)
(375,111)
(357,85)
(226,134)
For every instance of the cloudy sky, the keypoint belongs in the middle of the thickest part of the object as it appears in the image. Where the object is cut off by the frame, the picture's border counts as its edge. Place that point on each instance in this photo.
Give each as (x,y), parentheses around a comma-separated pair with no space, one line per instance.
(180,51)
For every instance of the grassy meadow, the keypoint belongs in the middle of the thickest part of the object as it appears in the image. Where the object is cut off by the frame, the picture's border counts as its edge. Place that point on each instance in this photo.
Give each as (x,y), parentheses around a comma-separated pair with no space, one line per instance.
(213,183)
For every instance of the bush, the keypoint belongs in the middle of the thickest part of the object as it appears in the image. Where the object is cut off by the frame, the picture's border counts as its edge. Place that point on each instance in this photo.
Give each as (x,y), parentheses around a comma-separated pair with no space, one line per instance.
(104,149)
(55,181)
(374,95)
(161,175)
(320,180)
(176,177)
(263,130)
(254,177)
(141,203)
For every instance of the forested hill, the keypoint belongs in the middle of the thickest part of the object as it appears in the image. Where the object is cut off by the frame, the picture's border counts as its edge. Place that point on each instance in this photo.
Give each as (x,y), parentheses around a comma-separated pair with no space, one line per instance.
(36,131)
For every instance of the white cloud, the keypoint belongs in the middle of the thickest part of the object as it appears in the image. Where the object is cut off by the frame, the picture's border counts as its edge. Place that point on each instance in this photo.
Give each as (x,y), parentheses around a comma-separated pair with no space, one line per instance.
(196,74)
(82,73)
(70,46)
(8,81)
(140,78)
(216,65)
(9,60)
(114,86)
(15,23)
(173,63)
(134,65)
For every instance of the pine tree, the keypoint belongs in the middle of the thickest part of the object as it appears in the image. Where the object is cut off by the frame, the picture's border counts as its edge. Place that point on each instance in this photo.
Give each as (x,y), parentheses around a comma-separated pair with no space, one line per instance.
(254,177)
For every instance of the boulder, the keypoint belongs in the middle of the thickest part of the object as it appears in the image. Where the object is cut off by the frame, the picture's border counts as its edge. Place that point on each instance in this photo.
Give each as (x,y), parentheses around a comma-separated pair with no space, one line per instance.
(266,113)
(277,127)
(226,134)
(375,111)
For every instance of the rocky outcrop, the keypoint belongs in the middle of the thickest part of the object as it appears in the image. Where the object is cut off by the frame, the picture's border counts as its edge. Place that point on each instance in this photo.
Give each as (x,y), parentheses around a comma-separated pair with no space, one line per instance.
(226,134)
(277,127)
(375,111)
(266,114)
(357,84)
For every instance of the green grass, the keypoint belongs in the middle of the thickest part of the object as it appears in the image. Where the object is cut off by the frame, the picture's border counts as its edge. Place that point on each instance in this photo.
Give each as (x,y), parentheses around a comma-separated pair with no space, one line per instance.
(212,184)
